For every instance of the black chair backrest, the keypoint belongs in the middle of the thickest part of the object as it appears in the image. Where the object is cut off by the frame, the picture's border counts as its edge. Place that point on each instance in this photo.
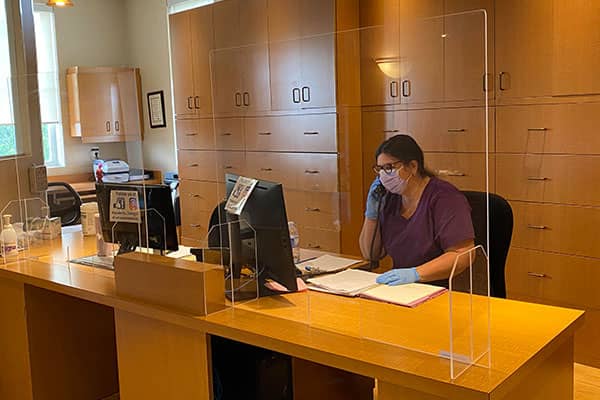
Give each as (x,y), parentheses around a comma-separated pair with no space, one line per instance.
(501,226)
(64,202)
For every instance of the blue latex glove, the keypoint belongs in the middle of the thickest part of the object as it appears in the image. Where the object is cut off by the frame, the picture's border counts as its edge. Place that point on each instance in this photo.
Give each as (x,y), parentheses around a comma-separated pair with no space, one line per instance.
(373,200)
(399,276)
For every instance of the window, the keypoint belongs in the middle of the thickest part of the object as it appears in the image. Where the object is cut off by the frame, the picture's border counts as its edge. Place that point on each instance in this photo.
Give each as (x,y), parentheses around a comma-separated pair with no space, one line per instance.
(8,142)
(48,84)
(176,6)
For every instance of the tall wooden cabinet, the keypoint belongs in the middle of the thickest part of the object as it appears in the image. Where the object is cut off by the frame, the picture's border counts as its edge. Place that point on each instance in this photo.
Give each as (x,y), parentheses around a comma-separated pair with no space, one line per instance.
(275,115)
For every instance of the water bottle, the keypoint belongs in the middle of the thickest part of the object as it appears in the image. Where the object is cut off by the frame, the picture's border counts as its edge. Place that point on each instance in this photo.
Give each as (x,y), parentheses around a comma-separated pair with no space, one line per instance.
(294,241)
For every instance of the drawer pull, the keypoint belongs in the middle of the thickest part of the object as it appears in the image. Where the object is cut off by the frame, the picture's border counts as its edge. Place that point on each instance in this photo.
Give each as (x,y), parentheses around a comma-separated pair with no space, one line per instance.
(537,275)
(537,178)
(540,227)
(456,130)
(227,167)
(196,196)
(312,209)
(313,246)
(537,129)
(226,134)
(264,133)
(311,133)
(195,225)
(193,165)
(191,134)
(446,172)
(266,169)
(391,130)
(311,171)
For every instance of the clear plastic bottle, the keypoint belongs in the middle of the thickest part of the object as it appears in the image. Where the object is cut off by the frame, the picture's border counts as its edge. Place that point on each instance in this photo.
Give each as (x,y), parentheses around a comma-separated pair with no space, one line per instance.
(294,241)
(8,237)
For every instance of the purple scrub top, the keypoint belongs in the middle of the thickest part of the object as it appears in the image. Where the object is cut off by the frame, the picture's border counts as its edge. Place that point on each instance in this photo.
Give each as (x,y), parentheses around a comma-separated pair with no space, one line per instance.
(442,219)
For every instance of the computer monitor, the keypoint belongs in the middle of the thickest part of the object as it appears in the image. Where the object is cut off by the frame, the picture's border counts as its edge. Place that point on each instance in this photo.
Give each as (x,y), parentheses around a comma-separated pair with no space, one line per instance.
(157,217)
(265,213)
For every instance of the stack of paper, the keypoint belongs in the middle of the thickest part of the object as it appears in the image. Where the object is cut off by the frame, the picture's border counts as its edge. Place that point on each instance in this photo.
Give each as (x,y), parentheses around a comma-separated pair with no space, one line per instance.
(361,283)
(326,263)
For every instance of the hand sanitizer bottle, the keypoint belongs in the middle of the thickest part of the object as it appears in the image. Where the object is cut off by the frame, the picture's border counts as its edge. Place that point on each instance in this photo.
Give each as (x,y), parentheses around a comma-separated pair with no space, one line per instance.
(294,241)
(8,237)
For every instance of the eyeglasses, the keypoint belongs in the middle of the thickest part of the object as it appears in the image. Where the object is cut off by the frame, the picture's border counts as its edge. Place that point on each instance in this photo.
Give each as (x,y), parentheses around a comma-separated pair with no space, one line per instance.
(388,168)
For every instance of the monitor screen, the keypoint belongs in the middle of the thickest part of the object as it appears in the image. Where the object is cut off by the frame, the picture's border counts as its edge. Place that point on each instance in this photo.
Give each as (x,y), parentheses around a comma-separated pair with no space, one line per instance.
(265,213)
(156,227)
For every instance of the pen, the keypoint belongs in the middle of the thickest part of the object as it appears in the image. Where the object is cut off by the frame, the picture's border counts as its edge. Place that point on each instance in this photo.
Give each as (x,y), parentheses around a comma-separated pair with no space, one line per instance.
(307,259)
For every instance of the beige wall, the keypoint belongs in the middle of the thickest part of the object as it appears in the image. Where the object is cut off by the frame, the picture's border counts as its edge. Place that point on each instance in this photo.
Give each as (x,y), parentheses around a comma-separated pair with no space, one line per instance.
(147,32)
(92,33)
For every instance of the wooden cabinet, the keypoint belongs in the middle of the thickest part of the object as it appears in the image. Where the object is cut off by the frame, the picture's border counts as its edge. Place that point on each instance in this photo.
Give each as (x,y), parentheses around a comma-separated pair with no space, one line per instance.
(104,104)
(466,171)
(191,42)
(195,134)
(524,32)
(302,54)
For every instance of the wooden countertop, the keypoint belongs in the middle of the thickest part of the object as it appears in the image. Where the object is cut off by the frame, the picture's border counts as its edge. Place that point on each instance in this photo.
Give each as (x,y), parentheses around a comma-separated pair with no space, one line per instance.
(352,334)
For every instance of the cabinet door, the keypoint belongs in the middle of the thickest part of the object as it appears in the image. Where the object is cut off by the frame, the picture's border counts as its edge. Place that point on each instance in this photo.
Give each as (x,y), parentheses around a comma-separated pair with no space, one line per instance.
(318,72)
(380,52)
(95,104)
(422,50)
(523,48)
(227,82)
(576,47)
(285,65)
(464,48)
(255,79)
(182,60)
(127,111)
(202,44)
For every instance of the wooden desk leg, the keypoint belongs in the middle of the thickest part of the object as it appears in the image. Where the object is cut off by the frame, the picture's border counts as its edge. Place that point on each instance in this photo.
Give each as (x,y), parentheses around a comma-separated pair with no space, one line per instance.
(161,361)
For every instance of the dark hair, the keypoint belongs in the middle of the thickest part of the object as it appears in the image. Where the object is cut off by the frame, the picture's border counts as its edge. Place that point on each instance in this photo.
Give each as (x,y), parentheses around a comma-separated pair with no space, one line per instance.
(405,149)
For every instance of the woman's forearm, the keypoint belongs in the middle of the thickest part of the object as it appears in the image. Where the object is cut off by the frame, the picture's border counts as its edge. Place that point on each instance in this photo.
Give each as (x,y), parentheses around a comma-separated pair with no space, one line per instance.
(441,267)
(366,238)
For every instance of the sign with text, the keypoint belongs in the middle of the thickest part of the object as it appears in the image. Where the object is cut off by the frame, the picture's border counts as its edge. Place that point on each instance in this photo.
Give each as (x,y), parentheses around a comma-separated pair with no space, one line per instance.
(238,197)
(124,206)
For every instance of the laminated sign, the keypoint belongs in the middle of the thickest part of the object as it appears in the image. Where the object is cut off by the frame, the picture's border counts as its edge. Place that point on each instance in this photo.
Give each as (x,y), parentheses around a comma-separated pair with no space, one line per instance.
(238,197)
(124,206)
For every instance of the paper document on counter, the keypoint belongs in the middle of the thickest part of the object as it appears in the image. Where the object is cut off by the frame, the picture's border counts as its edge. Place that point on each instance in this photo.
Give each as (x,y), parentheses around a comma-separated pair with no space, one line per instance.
(349,282)
(326,263)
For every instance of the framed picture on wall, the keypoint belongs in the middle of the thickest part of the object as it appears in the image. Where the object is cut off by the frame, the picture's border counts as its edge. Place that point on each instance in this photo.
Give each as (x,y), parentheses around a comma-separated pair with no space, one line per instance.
(156,109)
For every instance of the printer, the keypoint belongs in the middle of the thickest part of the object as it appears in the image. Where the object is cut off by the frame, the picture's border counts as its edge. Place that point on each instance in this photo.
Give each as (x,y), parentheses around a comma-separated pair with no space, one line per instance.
(111,171)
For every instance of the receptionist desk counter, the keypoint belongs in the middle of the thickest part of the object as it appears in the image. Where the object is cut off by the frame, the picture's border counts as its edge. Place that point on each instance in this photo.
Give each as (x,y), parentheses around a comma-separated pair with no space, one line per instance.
(65,330)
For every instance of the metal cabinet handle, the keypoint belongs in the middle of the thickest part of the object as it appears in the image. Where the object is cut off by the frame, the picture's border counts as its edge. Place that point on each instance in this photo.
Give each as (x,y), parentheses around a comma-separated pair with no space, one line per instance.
(196,196)
(193,165)
(306,94)
(311,133)
(191,134)
(394,89)
(485,82)
(445,172)
(117,126)
(238,99)
(296,95)
(264,133)
(197,102)
(537,178)
(406,88)
(537,275)
(107,126)
(311,171)
(266,169)
(246,99)
(226,134)
(228,167)
(539,227)
(501,80)
(310,209)
(391,130)
(456,130)
(537,129)
(313,246)
(195,225)
(189,103)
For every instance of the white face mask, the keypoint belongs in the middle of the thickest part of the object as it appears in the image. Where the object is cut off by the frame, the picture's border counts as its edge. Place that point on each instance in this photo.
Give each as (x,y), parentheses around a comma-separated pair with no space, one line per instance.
(393,182)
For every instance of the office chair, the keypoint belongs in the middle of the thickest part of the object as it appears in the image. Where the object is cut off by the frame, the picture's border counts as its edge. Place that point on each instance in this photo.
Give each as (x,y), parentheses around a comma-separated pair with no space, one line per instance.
(501,226)
(64,203)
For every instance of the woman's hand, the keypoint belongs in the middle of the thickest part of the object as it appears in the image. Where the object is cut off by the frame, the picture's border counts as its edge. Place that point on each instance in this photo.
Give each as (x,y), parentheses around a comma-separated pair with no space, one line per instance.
(373,199)
(399,276)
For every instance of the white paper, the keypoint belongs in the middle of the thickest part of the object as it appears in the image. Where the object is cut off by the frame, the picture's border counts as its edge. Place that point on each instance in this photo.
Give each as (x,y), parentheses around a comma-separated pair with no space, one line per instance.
(240,194)
(349,282)
(406,295)
(326,263)
(124,206)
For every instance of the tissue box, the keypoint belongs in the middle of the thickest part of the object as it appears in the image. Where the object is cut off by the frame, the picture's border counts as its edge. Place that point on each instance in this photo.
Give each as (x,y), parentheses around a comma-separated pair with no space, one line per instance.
(51,229)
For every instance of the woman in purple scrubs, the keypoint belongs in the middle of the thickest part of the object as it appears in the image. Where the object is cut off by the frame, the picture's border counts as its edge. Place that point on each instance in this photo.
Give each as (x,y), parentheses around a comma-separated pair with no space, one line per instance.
(424,222)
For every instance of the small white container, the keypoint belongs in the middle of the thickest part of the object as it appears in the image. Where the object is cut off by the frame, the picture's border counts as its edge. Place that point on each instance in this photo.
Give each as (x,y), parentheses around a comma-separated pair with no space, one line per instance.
(88,224)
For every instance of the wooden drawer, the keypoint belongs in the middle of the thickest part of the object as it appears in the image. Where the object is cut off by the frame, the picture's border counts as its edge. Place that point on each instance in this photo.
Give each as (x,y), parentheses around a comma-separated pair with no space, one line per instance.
(556,228)
(563,179)
(450,129)
(229,133)
(315,132)
(195,227)
(464,170)
(319,239)
(551,128)
(195,134)
(201,196)
(555,278)
(197,165)
(230,162)
(269,167)
(313,209)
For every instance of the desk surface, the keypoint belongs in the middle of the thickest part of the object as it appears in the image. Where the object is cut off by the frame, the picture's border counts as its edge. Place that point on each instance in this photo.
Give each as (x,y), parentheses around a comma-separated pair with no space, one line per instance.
(330,329)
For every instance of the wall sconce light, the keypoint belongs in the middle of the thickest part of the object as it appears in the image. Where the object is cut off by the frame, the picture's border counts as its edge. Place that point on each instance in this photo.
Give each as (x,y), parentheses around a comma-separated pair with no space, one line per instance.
(390,66)
(59,3)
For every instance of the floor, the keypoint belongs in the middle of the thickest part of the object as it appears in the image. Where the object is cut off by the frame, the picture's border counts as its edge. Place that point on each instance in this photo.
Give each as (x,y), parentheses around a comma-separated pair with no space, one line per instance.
(587,383)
